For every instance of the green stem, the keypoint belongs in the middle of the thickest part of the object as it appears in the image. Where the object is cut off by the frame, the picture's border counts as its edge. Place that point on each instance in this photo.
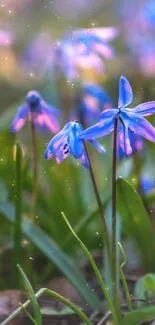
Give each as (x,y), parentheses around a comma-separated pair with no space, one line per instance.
(125,285)
(68,303)
(18,216)
(114,220)
(100,206)
(137,170)
(35,169)
(96,270)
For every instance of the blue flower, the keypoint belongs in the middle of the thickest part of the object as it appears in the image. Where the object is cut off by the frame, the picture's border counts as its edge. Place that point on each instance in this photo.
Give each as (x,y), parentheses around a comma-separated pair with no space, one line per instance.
(39,56)
(147,184)
(44,116)
(94,100)
(67,142)
(84,48)
(129,119)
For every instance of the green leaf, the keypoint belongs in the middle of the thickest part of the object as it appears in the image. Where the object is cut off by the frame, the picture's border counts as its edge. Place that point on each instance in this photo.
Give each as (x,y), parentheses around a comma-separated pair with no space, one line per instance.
(39,238)
(139,315)
(32,297)
(54,312)
(145,287)
(3,191)
(136,221)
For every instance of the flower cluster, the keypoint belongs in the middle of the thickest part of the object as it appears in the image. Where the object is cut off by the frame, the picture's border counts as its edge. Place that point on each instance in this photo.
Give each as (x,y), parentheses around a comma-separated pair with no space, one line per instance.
(132,126)
(83,48)
(70,140)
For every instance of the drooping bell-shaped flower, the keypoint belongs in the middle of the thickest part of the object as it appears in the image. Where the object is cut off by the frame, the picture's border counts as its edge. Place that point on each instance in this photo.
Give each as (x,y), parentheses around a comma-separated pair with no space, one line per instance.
(67,142)
(44,116)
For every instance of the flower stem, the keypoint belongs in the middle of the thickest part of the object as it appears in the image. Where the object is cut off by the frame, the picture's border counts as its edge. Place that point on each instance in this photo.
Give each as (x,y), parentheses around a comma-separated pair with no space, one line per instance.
(114,219)
(17,252)
(35,169)
(100,206)
(137,170)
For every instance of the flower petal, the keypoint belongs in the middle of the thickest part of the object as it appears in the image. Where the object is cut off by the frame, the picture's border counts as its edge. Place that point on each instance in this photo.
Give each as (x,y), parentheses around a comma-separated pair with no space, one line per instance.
(145,109)
(98,146)
(124,140)
(57,141)
(20,118)
(46,122)
(75,144)
(104,50)
(108,113)
(84,160)
(139,125)
(62,153)
(125,92)
(104,127)
(107,34)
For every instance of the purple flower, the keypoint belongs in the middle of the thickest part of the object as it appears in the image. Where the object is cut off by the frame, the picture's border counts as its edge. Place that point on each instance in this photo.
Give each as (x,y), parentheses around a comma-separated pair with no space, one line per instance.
(84,48)
(67,142)
(39,55)
(44,116)
(139,28)
(129,119)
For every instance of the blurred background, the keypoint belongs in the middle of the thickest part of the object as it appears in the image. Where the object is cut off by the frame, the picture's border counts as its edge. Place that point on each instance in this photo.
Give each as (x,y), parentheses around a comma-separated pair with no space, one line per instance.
(30,30)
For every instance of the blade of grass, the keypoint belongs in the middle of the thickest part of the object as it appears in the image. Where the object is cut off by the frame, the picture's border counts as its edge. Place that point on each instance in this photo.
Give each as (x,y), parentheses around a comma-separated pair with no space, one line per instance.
(28,315)
(68,303)
(18,216)
(54,253)
(76,309)
(31,295)
(96,270)
(125,285)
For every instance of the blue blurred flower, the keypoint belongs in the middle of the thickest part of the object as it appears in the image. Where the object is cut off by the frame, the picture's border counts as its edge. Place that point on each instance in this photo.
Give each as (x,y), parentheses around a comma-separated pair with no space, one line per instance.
(129,119)
(84,48)
(147,183)
(139,33)
(94,100)
(39,55)
(44,116)
(67,142)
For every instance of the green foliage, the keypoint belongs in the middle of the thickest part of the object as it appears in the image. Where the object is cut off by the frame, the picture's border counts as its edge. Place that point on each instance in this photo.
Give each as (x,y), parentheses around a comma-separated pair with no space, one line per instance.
(40,239)
(145,287)
(140,315)
(96,271)
(32,297)
(136,221)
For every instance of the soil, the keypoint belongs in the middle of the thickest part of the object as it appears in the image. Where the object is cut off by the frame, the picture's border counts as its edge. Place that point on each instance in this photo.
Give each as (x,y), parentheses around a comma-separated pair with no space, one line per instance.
(10,300)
